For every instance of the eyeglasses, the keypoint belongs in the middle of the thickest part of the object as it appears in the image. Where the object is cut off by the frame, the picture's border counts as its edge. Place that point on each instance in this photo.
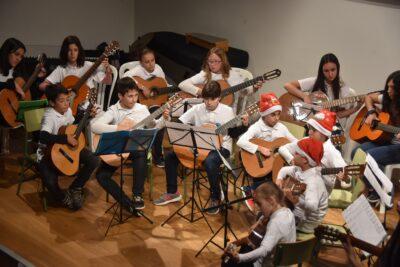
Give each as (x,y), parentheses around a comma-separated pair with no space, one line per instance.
(214,62)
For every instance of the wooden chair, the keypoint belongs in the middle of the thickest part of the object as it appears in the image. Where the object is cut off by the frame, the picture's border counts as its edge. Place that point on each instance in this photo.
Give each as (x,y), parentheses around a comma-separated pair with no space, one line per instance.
(294,253)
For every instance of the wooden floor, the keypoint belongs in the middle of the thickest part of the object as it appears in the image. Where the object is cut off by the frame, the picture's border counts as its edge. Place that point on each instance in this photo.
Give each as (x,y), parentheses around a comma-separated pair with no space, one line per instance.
(60,237)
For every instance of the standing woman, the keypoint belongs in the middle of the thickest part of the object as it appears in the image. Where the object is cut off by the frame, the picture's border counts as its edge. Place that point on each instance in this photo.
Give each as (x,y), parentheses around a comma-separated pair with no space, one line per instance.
(73,62)
(329,82)
(216,67)
(388,152)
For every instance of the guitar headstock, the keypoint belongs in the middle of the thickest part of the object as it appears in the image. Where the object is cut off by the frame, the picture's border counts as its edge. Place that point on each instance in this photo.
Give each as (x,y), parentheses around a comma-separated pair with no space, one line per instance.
(273,74)
(354,170)
(92,96)
(252,109)
(111,48)
(338,139)
(327,233)
(173,100)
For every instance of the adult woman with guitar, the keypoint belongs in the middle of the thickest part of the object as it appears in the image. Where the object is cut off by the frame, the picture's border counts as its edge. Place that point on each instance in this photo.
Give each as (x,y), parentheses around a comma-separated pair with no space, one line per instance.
(216,67)
(55,117)
(387,151)
(73,63)
(276,225)
(327,82)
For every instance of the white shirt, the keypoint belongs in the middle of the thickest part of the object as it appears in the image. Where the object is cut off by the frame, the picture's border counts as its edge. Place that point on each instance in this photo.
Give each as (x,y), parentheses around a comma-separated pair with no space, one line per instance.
(281,228)
(189,85)
(108,122)
(330,159)
(313,203)
(144,74)
(3,78)
(59,74)
(52,121)
(265,132)
(199,115)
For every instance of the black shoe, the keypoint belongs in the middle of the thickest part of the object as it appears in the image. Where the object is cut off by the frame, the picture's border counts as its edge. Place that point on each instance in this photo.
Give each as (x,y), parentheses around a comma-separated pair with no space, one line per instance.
(159,162)
(68,201)
(213,207)
(78,197)
(138,202)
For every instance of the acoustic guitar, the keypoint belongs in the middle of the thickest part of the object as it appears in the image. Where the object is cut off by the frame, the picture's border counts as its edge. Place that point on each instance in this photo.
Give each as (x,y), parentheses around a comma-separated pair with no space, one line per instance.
(64,156)
(158,91)
(9,100)
(257,165)
(353,170)
(227,97)
(185,154)
(78,85)
(295,110)
(331,234)
(361,132)
(115,160)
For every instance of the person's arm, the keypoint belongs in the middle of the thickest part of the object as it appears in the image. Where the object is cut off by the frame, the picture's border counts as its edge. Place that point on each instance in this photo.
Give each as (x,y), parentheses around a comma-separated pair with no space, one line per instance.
(48,138)
(370,100)
(244,140)
(189,85)
(310,202)
(188,116)
(54,78)
(287,151)
(102,124)
(294,89)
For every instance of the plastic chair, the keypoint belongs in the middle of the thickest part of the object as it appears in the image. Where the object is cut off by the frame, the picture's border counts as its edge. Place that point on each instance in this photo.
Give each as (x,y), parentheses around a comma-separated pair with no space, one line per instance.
(102,88)
(294,253)
(243,100)
(127,66)
(32,123)
(297,131)
(389,170)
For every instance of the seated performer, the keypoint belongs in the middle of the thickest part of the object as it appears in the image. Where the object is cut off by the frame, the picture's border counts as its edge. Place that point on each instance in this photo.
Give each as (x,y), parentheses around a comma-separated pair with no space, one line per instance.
(320,128)
(267,128)
(57,115)
(216,67)
(147,69)
(122,116)
(279,224)
(211,111)
(312,205)
(387,152)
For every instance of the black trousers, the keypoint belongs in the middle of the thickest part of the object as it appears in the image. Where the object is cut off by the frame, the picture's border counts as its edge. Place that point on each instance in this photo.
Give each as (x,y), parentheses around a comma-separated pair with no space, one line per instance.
(49,173)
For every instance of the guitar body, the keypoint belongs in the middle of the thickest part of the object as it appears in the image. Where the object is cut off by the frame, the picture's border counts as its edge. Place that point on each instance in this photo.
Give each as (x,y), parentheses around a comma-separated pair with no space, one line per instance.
(185,154)
(112,159)
(81,94)
(286,101)
(256,165)
(9,106)
(360,132)
(227,100)
(153,84)
(65,157)
(21,82)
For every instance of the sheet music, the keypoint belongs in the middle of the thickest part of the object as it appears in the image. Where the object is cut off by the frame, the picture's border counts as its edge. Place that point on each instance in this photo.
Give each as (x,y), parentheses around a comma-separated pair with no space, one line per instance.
(363,222)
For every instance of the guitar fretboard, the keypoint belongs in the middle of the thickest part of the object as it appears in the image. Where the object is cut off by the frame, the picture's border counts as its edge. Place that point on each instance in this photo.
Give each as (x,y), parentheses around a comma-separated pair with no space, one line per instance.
(387,128)
(151,117)
(241,86)
(328,171)
(342,101)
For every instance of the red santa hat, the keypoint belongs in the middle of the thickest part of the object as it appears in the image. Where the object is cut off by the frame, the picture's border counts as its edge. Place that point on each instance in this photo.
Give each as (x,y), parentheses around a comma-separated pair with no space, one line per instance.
(269,103)
(323,122)
(312,149)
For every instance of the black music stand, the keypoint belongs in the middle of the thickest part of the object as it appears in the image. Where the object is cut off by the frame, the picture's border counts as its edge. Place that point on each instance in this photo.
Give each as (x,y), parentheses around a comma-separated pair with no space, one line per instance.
(119,143)
(194,138)
(226,206)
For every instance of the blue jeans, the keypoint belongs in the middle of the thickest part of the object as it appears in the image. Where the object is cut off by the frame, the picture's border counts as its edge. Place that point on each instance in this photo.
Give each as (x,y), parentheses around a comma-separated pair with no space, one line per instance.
(211,165)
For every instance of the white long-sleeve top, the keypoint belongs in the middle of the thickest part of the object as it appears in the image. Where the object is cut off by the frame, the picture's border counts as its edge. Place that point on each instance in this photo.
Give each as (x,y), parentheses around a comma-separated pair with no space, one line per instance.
(189,85)
(331,159)
(265,132)
(59,74)
(313,203)
(281,228)
(109,120)
(199,115)
(144,74)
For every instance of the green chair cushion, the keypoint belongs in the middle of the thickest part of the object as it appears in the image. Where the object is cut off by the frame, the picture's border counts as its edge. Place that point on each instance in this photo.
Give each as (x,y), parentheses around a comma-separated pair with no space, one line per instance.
(340,198)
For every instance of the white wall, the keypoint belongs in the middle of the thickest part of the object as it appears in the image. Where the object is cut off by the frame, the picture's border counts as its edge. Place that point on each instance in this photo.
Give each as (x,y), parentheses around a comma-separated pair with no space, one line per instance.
(43,24)
(291,34)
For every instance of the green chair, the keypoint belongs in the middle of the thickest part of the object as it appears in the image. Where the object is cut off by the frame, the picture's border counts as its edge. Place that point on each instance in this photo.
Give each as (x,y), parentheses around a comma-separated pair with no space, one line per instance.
(294,253)
(297,131)
(32,122)
(340,198)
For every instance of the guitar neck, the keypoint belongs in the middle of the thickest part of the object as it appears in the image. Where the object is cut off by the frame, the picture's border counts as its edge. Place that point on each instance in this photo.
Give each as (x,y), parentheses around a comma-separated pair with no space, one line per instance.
(328,171)
(387,128)
(88,73)
(374,250)
(224,127)
(151,117)
(83,121)
(241,86)
(167,90)
(342,101)
(31,79)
